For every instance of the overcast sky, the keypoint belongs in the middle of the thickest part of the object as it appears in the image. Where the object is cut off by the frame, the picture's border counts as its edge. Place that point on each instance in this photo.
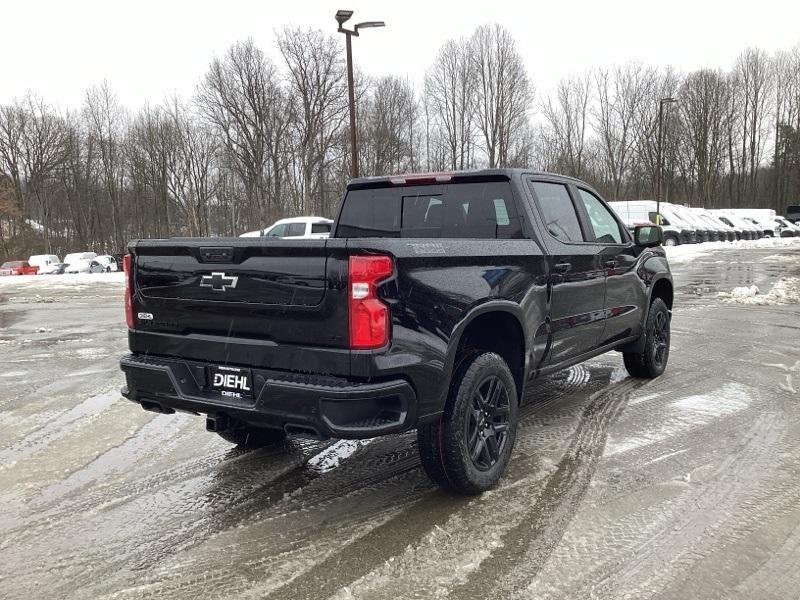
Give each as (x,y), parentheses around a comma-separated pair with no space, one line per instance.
(149,48)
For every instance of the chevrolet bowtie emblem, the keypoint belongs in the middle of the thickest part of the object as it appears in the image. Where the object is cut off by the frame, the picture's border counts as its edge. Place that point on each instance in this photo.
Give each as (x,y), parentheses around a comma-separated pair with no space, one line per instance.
(219,282)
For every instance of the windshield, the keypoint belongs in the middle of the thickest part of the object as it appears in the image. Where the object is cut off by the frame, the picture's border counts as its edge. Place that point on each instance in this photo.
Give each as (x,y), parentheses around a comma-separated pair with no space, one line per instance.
(677,219)
(709,220)
(13,263)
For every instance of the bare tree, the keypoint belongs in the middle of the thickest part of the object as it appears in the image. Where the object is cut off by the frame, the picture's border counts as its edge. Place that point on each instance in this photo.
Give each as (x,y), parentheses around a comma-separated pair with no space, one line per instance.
(105,118)
(705,95)
(504,92)
(450,88)
(568,117)
(386,136)
(318,109)
(786,153)
(620,94)
(12,126)
(43,143)
(240,95)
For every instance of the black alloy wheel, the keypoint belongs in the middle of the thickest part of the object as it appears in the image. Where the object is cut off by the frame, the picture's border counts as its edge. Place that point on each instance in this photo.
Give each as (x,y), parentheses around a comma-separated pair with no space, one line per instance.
(487,426)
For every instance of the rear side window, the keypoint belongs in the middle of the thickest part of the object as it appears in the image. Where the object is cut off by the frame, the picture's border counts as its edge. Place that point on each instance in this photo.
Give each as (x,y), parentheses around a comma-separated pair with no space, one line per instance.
(295,230)
(558,211)
(320,228)
(457,210)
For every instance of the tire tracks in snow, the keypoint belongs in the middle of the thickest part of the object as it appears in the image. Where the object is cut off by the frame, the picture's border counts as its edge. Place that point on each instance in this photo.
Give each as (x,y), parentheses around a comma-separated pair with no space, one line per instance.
(538,533)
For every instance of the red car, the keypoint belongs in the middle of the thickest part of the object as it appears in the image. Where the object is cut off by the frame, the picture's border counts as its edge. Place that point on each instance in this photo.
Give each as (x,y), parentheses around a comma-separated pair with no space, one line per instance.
(17,267)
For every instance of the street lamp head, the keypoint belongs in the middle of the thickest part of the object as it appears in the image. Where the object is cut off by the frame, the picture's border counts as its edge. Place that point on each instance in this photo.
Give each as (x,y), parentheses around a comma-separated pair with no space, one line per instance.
(366,24)
(342,16)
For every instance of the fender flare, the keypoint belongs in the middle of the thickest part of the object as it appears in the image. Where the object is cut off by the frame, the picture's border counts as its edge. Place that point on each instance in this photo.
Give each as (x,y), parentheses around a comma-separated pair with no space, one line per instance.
(490,306)
(637,346)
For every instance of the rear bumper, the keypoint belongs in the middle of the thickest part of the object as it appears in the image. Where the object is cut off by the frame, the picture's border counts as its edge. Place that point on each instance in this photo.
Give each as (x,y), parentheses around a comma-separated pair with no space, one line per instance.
(318,406)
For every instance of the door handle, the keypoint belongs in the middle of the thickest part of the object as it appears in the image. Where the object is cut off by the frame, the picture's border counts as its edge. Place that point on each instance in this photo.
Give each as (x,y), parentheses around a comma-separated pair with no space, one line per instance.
(610,264)
(562,267)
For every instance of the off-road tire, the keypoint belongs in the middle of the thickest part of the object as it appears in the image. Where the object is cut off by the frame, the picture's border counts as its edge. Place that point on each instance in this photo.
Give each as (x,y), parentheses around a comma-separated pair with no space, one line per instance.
(445,446)
(652,362)
(246,437)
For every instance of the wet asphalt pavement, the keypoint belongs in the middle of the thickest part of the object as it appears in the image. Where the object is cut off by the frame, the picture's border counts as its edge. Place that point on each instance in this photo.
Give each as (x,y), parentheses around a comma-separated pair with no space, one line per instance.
(687,486)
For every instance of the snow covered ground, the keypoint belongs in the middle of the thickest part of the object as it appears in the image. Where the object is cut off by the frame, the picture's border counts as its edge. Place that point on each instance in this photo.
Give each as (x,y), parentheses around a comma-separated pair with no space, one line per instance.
(687,252)
(63,281)
(685,486)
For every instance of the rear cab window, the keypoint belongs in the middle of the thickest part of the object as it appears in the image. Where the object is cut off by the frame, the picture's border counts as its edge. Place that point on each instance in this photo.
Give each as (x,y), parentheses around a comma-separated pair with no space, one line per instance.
(320,228)
(475,210)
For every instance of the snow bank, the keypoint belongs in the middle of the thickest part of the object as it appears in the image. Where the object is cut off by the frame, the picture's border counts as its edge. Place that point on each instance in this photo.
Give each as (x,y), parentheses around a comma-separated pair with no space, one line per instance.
(785,291)
(744,292)
(687,252)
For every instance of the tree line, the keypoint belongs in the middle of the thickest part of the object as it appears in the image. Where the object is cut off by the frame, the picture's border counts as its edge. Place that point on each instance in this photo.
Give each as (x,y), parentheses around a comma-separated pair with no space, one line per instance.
(263,139)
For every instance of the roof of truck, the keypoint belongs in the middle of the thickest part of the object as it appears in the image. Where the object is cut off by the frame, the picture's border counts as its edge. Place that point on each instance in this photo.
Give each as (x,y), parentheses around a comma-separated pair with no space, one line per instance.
(435,177)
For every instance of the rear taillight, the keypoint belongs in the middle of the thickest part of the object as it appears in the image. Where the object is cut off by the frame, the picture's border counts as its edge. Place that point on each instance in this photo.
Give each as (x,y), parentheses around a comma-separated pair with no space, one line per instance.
(126,267)
(369,317)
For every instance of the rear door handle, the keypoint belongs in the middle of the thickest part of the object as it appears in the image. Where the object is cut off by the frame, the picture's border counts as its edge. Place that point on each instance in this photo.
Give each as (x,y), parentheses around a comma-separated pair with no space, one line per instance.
(610,264)
(562,267)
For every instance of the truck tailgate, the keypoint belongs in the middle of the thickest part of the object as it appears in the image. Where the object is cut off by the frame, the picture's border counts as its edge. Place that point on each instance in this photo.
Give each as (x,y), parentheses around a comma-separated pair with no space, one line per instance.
(239,291)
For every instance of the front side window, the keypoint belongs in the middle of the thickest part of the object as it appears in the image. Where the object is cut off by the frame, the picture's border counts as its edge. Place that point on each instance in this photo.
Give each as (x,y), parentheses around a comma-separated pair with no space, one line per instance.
(558,211)
(652,217)
(277,231)
(605,226)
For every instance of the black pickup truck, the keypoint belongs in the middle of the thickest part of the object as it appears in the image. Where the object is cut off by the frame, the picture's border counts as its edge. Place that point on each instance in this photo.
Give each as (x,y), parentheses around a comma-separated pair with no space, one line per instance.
(435,299)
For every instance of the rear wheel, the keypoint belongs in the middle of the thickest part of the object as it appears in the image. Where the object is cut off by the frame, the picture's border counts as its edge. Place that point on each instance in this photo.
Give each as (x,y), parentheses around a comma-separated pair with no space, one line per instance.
(652,362)
(469,448)
(248,437)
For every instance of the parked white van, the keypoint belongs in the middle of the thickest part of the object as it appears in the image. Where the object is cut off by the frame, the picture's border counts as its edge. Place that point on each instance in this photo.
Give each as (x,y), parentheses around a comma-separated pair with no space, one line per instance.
(763,218)
(752,232)
(634,212)
(47,263)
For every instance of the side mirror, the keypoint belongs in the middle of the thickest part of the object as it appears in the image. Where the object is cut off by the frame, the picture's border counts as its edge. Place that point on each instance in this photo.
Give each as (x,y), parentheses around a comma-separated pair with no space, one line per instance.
(648,236)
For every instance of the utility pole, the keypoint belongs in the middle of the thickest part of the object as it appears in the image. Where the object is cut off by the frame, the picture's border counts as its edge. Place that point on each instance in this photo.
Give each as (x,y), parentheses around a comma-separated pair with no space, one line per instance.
(342,16)
(660,154)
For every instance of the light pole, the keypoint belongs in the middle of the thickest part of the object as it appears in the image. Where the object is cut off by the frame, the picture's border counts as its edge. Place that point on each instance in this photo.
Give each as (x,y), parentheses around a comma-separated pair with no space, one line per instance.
(660,169)
(342,16)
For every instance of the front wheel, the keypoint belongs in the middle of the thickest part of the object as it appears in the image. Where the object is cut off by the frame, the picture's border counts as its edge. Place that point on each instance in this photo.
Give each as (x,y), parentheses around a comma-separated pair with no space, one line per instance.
(652,362)
(247,437)
(670,241)
(468,450)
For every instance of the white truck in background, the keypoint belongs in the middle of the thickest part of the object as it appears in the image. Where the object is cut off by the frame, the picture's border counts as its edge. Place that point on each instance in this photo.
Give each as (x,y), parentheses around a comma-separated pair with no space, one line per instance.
(295,228)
